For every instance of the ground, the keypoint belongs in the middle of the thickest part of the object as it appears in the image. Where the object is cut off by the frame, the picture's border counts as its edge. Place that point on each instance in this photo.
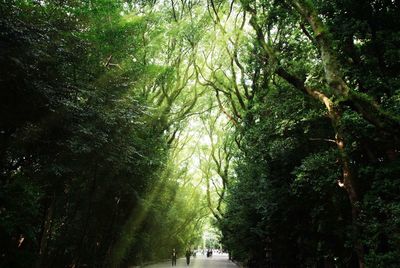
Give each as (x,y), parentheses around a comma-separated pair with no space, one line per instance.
(200,261)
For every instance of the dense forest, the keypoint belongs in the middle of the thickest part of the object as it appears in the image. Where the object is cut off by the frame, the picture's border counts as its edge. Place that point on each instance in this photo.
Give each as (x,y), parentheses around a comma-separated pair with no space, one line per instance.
(128,127)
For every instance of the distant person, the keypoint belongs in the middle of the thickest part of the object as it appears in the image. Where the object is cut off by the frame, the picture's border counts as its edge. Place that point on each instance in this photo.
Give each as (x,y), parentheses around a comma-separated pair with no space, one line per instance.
(188,254)
(173,257)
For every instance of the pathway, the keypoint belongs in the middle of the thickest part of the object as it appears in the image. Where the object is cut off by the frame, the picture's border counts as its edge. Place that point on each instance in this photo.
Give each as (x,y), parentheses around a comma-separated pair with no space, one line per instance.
(200,261)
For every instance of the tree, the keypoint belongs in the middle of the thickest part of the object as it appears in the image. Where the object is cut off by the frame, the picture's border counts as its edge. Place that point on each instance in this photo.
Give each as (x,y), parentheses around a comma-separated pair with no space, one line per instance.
(277,27)
(88,118)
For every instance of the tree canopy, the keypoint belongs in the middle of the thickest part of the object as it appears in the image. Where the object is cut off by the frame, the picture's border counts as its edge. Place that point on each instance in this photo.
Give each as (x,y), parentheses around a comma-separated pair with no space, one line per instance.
(128,127)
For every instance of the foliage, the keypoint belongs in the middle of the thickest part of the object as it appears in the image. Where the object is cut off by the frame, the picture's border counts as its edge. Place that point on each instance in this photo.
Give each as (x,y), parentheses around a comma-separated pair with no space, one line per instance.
(82,143)
(125,124)
(285,206)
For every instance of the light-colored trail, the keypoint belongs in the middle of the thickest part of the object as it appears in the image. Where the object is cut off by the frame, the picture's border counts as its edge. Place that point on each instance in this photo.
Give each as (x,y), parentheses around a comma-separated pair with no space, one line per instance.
(200,261)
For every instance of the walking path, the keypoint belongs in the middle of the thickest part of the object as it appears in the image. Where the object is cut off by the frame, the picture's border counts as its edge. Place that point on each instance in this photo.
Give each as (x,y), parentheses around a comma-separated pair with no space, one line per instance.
(200,261)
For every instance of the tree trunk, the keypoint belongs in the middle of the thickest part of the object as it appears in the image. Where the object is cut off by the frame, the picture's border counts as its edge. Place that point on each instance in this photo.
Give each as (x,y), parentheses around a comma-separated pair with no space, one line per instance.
(347,182)
(88,215)
(366,108)
(40,263)
(362,103)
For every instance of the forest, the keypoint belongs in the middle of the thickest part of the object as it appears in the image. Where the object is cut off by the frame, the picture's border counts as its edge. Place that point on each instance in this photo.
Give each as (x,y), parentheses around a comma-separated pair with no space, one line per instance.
(131,127)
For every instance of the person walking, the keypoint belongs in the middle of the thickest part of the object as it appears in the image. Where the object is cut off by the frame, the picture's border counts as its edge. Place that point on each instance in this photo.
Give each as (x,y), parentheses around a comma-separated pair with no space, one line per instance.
(173,257)
(188,254)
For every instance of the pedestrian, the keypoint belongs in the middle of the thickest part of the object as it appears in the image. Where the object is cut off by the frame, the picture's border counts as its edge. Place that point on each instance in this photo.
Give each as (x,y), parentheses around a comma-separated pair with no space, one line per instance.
(188,253)
(173,257)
